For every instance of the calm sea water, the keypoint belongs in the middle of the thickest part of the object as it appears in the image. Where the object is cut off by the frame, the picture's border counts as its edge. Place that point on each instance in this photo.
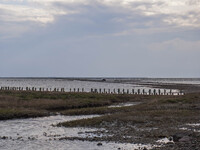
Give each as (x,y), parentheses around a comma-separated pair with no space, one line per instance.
(95,83)
(88,83)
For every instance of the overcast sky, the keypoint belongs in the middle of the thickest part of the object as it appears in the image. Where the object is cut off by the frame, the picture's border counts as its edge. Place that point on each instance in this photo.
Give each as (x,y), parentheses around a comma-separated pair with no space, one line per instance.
(92,38)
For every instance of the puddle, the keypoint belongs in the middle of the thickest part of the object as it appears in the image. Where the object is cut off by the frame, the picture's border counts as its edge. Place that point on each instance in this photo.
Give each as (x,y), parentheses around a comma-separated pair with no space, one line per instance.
(38,133)
(124,104)
(193,124)
(68,145)
(164,141)
(195,127)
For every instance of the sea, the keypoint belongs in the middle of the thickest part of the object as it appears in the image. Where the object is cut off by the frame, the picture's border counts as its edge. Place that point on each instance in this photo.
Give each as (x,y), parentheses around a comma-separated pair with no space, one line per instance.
(69,84)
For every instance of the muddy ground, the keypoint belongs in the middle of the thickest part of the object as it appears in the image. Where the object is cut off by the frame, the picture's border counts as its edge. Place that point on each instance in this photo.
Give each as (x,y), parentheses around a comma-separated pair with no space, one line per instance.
(154,118)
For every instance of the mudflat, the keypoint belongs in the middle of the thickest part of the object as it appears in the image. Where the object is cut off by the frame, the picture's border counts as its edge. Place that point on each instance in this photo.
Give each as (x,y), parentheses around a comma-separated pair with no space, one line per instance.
(155,117)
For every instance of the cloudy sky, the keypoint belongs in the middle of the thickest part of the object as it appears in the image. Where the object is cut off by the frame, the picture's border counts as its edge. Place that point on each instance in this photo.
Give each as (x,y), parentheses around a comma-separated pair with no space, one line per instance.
(91,38)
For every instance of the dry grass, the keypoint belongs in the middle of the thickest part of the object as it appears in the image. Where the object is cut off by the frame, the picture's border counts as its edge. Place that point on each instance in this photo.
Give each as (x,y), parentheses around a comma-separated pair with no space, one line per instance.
(161,110)
(67,103)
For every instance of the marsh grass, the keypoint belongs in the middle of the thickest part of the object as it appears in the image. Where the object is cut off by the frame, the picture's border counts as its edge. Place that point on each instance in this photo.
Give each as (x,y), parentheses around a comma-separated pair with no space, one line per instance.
(66,103)
(158,111)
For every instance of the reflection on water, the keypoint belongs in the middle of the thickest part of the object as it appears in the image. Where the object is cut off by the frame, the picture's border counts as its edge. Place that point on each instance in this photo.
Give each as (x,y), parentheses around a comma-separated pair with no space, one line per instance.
(38,133)
(124,104)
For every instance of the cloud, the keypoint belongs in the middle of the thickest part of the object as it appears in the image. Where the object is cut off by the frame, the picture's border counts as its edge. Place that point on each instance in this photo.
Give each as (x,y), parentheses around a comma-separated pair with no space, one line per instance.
(177,44)
(178,12)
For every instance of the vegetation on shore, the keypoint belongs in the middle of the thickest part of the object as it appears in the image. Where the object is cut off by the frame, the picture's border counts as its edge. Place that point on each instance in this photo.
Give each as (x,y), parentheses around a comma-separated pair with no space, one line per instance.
(23,104)
(154,118)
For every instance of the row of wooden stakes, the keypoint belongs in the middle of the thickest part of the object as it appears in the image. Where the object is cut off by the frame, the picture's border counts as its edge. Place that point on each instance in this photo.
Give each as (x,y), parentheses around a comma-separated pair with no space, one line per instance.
(93,90)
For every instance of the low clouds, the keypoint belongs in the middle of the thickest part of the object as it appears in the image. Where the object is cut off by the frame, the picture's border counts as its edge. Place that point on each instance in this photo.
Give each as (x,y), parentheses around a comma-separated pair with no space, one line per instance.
(174,13)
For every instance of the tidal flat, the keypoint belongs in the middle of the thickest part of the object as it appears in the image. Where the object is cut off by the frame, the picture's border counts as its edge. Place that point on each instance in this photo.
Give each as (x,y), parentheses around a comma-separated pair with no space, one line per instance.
(151,119)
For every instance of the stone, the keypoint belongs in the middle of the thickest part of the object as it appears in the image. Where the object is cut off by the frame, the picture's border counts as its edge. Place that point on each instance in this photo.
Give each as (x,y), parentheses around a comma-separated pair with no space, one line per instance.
(145,148)
(177,137)
(99,144)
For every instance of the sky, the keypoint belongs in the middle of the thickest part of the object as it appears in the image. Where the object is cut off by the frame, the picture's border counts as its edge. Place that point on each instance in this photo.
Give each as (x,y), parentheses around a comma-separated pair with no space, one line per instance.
(100,38)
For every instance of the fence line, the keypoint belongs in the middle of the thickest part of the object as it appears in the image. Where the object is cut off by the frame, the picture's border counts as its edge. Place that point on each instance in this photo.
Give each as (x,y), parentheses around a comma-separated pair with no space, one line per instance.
(94,90)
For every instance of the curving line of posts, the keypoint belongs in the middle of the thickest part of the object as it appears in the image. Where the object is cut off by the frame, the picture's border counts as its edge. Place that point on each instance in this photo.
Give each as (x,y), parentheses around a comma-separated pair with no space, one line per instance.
(101,91)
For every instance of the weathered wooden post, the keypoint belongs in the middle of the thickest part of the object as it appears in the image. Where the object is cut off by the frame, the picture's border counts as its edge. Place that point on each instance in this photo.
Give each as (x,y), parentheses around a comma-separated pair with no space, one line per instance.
(159,92)
(78,90)
(118,91)
(133,92)
(149,91)
(170,91)
(104,90)
(74,89)
(109,91)
(123,92)
(138,91)
(154,91)
(91,90)
(164,91)
(127,91)
(114,91)
(82,89)
(100,90)
(143,91)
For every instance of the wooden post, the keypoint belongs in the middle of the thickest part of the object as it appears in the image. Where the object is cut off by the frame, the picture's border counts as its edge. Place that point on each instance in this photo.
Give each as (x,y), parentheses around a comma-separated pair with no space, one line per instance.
(133,92)
(123,91)
(118,91)
(154,91)
(109,91)
(149,91)
(164,91)
(138,91)
(143,91)
(100,90)
(82,89)
(159,92)
(127,91)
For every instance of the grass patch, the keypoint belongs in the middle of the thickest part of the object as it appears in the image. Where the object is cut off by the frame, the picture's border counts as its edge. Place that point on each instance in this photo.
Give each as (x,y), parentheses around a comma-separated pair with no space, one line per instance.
(67,103)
